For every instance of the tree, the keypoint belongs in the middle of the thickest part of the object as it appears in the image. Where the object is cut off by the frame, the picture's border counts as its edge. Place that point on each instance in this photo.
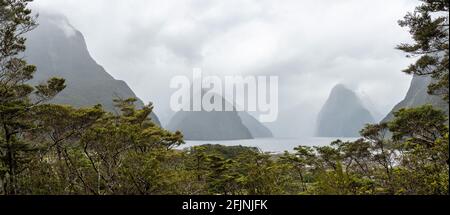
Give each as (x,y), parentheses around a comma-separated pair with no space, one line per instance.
(131,154)
(429,27)
(17,98)
(423,136)
(385,153)
(304,159)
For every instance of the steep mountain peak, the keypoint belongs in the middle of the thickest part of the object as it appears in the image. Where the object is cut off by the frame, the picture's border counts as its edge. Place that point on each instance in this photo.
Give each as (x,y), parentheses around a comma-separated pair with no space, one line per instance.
(214,125)
(343,115)
(59,50)
(58,20)
(340,91)
(340,86)
(218,125)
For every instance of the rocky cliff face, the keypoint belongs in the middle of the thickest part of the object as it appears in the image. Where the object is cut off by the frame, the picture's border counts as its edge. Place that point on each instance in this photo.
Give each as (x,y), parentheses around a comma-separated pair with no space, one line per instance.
(59,50)
(418,95)
(343,115)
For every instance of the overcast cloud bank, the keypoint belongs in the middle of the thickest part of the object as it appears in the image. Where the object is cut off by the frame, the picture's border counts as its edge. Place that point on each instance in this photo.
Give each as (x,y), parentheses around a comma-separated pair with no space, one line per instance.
(310,45)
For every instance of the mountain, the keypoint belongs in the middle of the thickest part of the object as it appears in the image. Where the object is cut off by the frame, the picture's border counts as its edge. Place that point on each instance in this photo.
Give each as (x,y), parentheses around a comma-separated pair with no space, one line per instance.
(59,50)
(371,106)
(256,128)
(343,115)
(418,95)
(218,125)
(212,125)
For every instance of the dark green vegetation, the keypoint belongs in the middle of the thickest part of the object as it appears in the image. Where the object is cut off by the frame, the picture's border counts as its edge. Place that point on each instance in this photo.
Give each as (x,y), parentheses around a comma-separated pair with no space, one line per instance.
(57,149)
(428,26)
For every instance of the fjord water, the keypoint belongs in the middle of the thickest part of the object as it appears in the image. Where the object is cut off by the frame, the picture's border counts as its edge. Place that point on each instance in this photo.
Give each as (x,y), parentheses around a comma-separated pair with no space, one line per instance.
(273,145)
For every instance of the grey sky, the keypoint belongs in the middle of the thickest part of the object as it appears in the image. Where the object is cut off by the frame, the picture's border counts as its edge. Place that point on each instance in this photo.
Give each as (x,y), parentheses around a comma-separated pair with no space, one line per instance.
(311,44)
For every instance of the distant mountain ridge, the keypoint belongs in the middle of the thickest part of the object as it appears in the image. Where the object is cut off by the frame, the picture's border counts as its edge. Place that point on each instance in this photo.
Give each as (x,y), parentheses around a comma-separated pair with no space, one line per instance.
(206,126)
(418,95)
(209,125)
(218,125)
(343,115)
(256,128)
(59,50)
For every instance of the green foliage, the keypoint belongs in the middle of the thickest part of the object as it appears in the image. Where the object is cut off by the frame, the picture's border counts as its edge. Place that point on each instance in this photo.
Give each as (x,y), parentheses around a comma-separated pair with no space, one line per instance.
(429,27)
(428,123)
(423,135)
(414,161)
(16,105)
(239,171)
(57,149)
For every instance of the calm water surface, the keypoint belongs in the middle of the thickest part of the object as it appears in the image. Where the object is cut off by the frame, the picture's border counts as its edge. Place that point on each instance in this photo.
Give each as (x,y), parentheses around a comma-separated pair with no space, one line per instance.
(274,145)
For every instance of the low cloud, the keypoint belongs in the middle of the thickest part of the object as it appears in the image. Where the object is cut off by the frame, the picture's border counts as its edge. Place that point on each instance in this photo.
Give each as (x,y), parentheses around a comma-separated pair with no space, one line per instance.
(312,45)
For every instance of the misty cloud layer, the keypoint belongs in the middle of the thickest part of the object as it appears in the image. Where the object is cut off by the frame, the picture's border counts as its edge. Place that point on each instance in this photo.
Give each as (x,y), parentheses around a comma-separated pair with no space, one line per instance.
(312,45)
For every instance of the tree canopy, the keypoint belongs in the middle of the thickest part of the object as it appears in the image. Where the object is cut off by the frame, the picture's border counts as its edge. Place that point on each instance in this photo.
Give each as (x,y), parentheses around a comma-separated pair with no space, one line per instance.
(58,149)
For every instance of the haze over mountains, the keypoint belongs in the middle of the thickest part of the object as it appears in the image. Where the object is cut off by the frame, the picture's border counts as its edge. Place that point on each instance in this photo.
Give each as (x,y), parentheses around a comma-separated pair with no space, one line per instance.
(213,125)
(343,115)
(417,96)
(59,50)
(218,125)
(256,128)
(298,121)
